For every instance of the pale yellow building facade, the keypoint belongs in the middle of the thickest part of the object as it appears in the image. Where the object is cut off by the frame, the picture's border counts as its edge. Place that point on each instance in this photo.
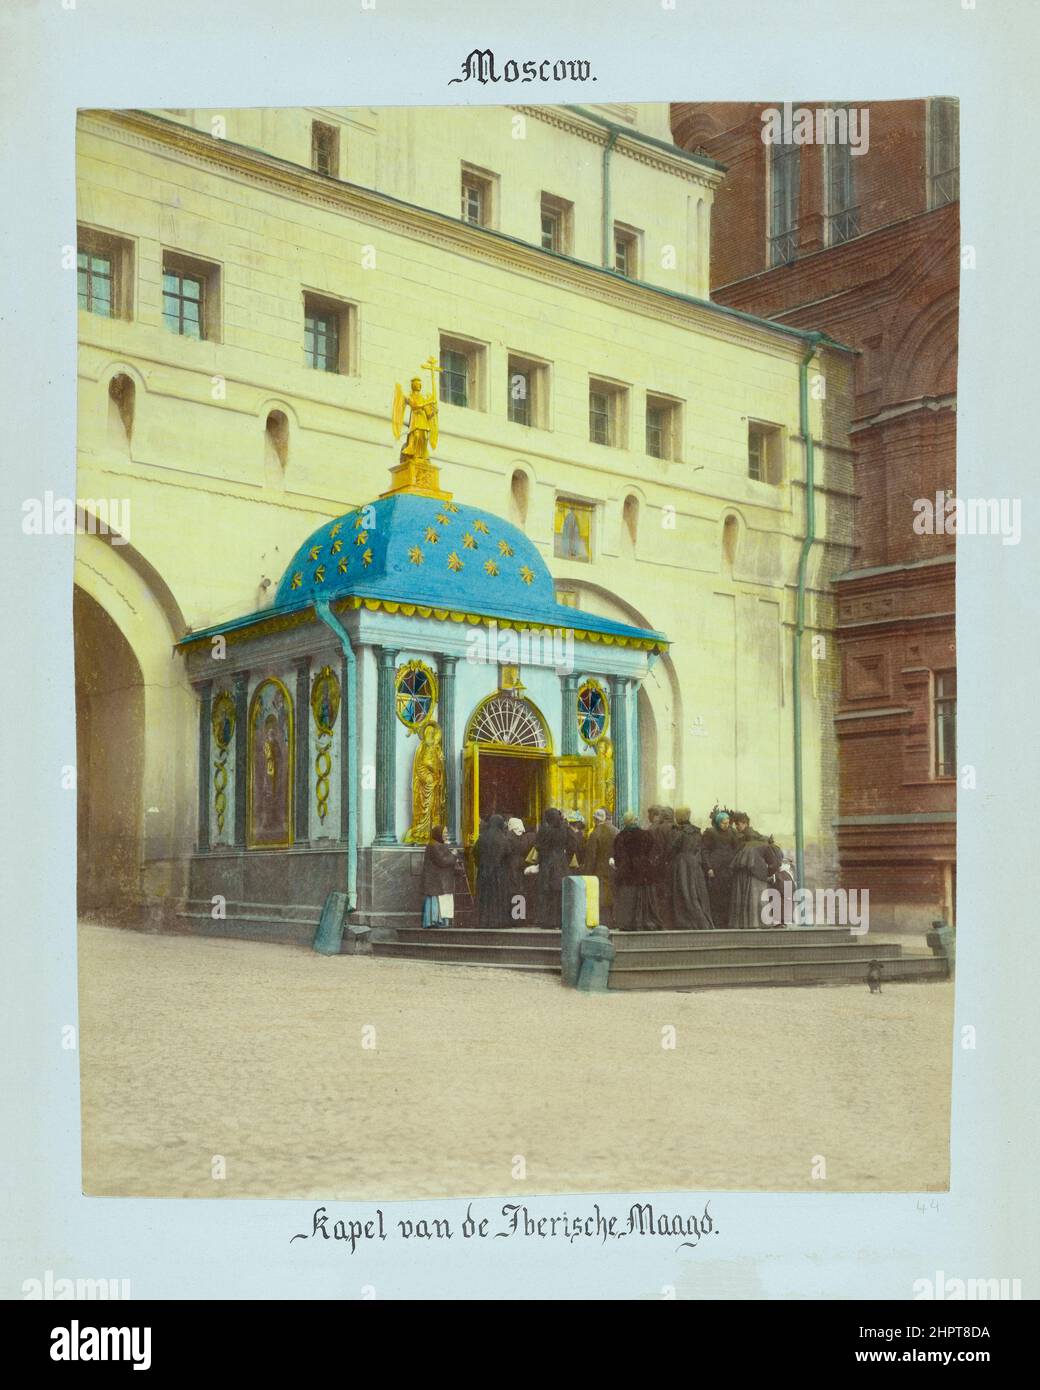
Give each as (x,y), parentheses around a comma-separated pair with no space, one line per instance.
(563,249)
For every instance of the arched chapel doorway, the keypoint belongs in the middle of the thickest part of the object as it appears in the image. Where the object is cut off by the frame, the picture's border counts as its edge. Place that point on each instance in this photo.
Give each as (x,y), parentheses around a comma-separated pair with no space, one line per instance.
(507,754)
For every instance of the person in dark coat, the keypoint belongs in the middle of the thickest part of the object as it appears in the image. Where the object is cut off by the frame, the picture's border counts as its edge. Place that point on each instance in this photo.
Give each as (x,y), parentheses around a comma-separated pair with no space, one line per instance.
(521,888)
(492,856)
(752,870)
(554,845)
(634,877)
(575,823)
(745,831)
(596,860)
(438,880)
(718,846)
(664,833)
(690,899)
(784,883)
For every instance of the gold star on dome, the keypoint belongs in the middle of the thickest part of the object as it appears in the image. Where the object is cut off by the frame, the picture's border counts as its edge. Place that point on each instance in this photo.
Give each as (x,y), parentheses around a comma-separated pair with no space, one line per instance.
(359,522)
(342,566)
(314,552)
(526,574)
(432,535)
(469,542)
(297,580)
(416,555)
(319,575)
(479,525)
(454,563)
(443,520)
(336,529)
(361,538)
(505,548)
(366,559)
(336,547)
(451,507)
(490,567)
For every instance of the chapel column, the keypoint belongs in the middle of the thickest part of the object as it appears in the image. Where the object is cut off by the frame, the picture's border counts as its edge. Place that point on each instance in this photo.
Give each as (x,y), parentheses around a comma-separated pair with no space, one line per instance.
(619,728)
(242,770)
(386,748)
(205,692)
(446,681)
(347,792)
(569,721)
(302,757)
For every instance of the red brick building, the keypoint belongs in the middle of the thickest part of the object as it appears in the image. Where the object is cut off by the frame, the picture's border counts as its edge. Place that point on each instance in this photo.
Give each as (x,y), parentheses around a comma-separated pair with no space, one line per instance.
(865,246)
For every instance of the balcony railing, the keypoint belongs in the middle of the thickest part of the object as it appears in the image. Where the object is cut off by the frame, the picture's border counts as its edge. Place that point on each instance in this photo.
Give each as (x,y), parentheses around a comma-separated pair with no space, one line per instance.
(783,248)
(945,188)
(842,226)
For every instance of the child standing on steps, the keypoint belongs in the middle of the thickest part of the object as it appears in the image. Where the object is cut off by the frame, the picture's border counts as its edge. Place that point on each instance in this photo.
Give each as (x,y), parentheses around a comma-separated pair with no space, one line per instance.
(438,881)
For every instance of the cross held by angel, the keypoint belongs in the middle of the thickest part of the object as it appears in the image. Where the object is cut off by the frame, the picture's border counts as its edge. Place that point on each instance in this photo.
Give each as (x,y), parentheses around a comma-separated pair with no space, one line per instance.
(422,416)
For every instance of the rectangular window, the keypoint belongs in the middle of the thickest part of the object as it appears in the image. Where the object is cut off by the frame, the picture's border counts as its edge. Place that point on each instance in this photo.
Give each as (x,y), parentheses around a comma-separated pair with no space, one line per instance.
(519,395)
(462,372)
(607,414)
(626,251)
(557,220)
(94,280)
(454,377)
(183,303)
(663,427)
(550,231)
(842,213)
(527,392)
(600,426)
(784,189)
(572,529)
(945,723)
(943,151)
(478,196)
(568,597)
(325,149)
(327,328)
(764,453)
(190,296)
(103,273)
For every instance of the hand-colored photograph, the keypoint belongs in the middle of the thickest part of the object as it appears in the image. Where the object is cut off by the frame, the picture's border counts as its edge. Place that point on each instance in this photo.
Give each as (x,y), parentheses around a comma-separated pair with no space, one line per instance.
(516,693)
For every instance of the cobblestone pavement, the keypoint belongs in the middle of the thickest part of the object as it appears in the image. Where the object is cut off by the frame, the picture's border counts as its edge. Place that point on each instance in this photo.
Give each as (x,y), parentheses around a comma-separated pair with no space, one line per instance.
(194,1049)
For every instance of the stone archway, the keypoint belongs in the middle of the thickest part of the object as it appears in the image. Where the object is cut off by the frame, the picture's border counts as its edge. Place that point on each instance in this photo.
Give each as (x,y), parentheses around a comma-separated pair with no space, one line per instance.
(140,790)
(109,762)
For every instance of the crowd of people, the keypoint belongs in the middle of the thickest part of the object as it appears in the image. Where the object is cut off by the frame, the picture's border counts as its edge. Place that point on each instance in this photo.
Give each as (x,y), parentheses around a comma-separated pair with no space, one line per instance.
(667,875)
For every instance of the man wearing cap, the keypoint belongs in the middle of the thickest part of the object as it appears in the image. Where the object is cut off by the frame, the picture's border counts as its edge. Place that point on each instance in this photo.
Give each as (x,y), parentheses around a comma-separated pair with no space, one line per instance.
(599,849)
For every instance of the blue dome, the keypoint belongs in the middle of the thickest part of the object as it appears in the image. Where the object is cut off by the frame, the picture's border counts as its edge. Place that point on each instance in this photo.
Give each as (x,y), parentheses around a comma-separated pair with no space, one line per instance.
(421,550)
(414,549)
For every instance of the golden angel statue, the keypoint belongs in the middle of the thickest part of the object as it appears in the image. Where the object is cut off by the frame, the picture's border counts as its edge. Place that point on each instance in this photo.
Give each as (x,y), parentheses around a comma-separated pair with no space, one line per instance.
(605,774)
(428,799)
(422,416)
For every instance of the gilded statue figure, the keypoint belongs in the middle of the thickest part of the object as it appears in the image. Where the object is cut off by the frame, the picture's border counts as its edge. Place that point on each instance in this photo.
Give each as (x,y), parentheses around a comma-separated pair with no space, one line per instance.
(422,417)
(605,773)
(428,800)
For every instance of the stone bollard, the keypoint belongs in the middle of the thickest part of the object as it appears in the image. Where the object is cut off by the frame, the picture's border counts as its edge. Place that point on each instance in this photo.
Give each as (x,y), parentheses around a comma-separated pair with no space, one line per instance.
(597,951)
(580,912)
(329,935)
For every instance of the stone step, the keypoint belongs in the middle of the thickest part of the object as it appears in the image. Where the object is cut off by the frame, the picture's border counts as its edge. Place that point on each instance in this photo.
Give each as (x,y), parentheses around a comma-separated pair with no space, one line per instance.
(282,912)
(800,972)
(520,936)
(665,957)
(712,940)
(250,928)
(415,955)
(456,953)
